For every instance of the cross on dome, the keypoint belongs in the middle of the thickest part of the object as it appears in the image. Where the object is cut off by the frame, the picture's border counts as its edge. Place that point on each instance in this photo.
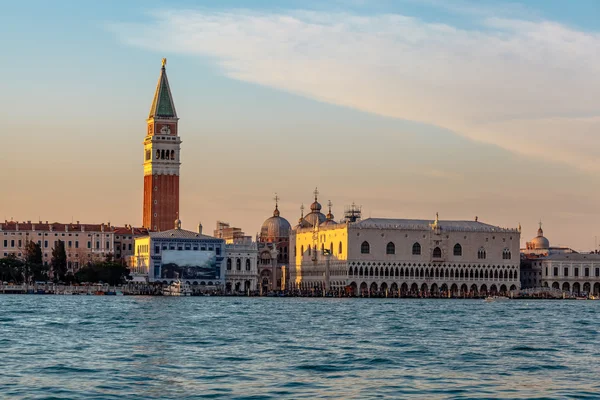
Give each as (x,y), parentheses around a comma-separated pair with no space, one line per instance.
(316,193)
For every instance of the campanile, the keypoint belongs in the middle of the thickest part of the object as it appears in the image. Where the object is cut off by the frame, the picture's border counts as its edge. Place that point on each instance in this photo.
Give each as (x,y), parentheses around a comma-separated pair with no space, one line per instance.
(161,159)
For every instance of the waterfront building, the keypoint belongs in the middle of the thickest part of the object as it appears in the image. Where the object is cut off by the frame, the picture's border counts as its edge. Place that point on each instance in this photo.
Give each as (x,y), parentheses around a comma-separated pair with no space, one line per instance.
(179,254)
(162,160)
(241,266)
(273,252)
(84,243)
(558,267)
(386,255)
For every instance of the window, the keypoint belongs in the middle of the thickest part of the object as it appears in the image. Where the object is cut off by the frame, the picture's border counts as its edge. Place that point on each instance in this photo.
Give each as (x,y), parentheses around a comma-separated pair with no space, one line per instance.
(302,250)
(437,253)
(217,250)
(229,264)
(156,249)
(69,244)
(12,243)
(390,248)
(247,265)
(566,272)
(546,271)
(6,243)
(309,250)
(97,245)
(597,271)
(457,250)
(416,250)
(45,243)
(481,254)
(576,271)
(506,254)
(77,244)
(340,248)
(238,264)
(555,271)
(365,248)
(89,245)
(587,272)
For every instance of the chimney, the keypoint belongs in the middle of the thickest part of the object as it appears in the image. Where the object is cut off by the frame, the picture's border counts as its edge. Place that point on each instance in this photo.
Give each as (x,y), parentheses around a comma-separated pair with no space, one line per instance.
(200,228)
(102,227)
(77,222)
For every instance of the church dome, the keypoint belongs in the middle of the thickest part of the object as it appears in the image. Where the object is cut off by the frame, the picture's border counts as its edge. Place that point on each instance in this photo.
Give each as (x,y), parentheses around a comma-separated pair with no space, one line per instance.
(275,227)
(329,217)
(315,218)
(540,242)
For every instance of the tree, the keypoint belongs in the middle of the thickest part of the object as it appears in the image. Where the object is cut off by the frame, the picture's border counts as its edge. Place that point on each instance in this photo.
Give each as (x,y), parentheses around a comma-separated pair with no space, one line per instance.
(59,261)
(33,267)
(33,253)
(11,269)
(107,272)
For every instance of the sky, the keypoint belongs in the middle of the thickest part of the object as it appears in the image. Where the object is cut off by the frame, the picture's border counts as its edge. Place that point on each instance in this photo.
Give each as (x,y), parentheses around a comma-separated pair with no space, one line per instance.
(408,108)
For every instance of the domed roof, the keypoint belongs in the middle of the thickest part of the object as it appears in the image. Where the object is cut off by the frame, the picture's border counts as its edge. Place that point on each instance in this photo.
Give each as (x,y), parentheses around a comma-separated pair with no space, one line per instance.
(302,223)
(275,227)
(540,242)
(329,217)
(315,207)
(315,218)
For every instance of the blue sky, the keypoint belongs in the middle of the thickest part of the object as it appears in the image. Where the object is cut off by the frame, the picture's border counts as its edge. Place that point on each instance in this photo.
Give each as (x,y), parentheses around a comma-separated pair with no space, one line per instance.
(407,107)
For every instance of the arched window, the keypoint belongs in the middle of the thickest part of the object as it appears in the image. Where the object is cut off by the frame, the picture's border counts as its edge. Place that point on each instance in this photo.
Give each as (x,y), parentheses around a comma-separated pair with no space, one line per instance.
(416,250)
(247,264)
(322,248)
(172,154)
(457,250)
(238,264)
(229,264)
(437,253)
(157,154)
(309,250)
(302,250)
(340,248)
(506,254)
(371,272)
(331,248)
(365,248)
(390,248)
(481,254)
(162,154)
(350,271)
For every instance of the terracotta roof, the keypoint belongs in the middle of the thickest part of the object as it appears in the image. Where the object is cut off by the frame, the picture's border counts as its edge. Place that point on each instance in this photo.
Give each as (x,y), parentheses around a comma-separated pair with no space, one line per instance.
(61,227)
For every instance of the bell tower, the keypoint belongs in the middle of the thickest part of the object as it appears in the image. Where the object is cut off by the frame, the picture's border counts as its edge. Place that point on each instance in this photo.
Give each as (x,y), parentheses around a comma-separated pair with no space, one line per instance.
(161,159)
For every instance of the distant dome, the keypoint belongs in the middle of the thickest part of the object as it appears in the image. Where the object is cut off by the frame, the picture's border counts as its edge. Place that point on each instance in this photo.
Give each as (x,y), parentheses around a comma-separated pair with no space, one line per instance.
(315,207)
(302,223)
(275,227)
(315,218)
(328,222)
(540,242)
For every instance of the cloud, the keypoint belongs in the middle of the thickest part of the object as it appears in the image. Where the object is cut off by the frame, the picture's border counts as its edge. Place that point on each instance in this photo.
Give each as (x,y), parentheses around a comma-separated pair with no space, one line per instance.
(531,87)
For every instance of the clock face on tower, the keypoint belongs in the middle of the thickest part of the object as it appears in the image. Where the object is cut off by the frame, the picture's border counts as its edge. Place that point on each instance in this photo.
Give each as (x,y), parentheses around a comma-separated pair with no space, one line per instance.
(165,130)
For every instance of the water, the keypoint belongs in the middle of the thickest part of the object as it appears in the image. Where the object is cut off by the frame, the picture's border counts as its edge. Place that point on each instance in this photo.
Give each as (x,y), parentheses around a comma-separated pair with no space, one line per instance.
(98,347)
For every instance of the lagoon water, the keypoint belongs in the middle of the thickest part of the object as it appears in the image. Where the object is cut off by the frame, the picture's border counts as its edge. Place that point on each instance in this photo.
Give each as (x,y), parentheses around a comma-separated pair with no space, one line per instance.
(98,347)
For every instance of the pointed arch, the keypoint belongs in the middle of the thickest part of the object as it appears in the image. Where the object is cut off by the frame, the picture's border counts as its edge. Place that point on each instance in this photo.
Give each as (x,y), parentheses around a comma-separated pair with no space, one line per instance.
(416,249)
(365,247)
(457,251)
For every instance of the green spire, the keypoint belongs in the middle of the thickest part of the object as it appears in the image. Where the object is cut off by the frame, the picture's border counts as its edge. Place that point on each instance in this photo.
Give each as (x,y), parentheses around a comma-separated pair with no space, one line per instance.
(162,105)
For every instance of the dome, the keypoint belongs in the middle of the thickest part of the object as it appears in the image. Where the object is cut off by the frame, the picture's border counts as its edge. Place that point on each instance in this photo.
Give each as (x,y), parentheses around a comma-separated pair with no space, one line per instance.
(315,207)
(540,242)
(329,217)
(315,218)
(275,227)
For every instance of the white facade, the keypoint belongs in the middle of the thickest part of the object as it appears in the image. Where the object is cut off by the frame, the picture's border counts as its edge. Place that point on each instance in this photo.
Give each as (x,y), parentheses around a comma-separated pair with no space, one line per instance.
(178,254)
(241,269)
(400,255)
(570,272)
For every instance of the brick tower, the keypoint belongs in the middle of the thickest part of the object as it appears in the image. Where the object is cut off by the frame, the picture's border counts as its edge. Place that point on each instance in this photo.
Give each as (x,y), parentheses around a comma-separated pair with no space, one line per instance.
(161,159)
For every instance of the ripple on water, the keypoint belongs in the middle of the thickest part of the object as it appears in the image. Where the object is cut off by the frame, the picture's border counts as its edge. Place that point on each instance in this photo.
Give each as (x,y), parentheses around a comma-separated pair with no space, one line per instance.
(89,347)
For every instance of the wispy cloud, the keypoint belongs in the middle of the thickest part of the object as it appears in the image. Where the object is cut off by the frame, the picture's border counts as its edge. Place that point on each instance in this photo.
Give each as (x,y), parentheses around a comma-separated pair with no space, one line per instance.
(531,87)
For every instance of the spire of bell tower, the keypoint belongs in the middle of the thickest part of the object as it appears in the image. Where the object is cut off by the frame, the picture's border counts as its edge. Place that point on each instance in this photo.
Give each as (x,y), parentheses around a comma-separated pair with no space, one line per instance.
(162,104)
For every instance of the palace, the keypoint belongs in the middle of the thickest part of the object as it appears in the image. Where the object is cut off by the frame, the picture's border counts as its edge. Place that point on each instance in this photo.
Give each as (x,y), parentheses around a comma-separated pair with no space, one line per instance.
(561,268)
(178,254)
(402,256)
(84,243)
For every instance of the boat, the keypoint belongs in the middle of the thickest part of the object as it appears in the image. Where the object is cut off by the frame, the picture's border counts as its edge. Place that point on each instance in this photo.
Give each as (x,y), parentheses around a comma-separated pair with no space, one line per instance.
(177,288)
(491,299)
